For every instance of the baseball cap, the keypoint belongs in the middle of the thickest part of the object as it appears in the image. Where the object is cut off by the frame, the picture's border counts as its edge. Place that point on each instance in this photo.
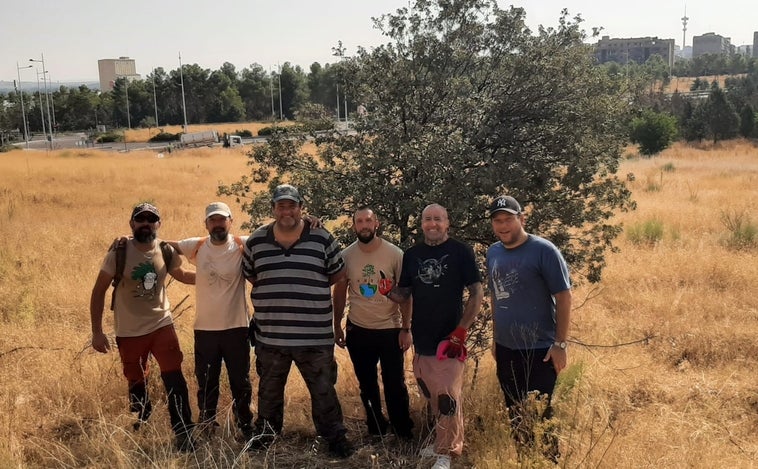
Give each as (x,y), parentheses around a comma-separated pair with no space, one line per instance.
(505,203)
(145,208)
(217,208)
(286,192)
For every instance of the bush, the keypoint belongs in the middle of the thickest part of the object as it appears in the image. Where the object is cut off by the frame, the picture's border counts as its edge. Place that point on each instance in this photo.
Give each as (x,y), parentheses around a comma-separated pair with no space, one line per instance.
(165,137)
(653,131)
(263,131)
(649,232)
(742,233)
(110,137)
(243,133)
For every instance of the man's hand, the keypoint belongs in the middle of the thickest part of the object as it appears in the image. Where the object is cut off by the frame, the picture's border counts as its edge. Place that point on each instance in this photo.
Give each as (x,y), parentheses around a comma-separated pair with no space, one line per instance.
(100,342)
(405,339)
(559,356)
(385,284)
(339,336)
(312,221)
(457,341)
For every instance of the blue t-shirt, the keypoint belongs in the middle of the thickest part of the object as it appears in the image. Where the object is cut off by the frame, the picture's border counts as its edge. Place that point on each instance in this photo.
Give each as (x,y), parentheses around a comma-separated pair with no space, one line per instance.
(522,282)
(437,276)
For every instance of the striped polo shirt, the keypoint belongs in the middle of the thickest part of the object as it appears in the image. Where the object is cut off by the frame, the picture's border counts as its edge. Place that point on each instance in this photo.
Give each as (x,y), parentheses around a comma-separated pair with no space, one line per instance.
(291,292)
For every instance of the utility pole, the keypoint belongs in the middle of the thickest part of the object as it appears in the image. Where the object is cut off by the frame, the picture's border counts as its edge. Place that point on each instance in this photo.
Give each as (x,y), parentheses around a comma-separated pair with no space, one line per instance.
(155,101)
(184,104)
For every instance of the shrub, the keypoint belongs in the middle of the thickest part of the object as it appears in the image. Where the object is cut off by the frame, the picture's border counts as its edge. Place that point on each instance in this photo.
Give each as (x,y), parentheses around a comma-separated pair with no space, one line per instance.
(653,131)
(742,233)
(649,232)
(110,137)
(243,133)
(165,137)
(279,130)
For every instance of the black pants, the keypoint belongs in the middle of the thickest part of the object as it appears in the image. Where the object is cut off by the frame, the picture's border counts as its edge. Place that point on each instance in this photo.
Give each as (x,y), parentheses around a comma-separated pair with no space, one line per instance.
(319,371)
(230,346)
(367,348)
(519,373)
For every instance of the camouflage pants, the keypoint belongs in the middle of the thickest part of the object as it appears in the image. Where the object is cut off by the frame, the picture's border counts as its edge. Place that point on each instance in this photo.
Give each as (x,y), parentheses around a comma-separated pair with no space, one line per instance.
(319,371)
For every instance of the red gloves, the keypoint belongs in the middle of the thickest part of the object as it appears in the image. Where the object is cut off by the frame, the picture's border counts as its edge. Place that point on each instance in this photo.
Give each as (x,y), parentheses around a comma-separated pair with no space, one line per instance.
(454,346)
(385,284)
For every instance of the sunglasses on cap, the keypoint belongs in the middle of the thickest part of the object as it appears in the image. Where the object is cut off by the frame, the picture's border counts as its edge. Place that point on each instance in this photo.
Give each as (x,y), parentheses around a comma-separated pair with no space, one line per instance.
(148,217)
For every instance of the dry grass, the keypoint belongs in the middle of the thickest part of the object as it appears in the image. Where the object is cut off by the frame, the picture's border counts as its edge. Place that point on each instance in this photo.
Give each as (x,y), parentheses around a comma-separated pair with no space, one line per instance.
(683,84)
(687,397)
(143,135)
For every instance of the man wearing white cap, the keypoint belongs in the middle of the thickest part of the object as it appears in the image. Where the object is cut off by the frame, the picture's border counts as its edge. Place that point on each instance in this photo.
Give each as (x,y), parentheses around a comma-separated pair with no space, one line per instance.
(221,320)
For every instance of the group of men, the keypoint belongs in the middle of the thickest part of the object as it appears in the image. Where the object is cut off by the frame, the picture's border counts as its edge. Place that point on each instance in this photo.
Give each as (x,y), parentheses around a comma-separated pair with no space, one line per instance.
(301,283)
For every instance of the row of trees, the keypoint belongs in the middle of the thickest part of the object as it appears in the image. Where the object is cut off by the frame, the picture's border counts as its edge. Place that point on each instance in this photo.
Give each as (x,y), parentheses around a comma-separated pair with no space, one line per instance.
(224,95)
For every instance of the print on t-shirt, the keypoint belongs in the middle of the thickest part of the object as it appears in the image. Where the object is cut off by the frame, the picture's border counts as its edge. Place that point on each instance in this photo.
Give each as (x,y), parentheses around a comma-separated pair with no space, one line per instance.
(504,281)
(217,277)
(431,270)
(368,289)
(146,278)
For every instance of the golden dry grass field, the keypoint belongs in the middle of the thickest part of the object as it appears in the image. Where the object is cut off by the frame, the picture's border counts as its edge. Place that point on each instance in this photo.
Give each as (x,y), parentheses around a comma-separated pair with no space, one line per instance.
(687,396)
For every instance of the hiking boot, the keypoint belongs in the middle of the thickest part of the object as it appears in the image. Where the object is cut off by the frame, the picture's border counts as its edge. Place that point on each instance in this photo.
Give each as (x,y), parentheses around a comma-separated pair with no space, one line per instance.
(377,427)
(341,448)
(442,462)
(247,432)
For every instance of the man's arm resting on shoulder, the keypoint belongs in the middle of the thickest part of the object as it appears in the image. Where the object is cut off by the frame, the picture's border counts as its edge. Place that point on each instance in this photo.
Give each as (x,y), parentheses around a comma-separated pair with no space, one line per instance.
(339,299)
(183,275)
(399,295)
(96,306)
(175,245)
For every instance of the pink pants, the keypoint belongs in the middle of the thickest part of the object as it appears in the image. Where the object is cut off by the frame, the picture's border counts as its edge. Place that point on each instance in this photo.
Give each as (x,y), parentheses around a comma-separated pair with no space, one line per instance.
(442,382)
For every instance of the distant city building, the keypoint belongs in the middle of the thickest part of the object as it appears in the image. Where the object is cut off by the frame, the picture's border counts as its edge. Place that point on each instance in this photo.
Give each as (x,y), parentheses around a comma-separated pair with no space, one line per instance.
(755,44)
(711,43)
(746,50)
(636,49)
(112,69)
(685,53)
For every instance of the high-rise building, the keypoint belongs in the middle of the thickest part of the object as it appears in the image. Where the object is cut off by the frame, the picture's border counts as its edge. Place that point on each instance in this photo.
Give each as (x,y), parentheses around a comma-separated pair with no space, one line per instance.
(112,69)
(711,43)
(636,49)
(755,44)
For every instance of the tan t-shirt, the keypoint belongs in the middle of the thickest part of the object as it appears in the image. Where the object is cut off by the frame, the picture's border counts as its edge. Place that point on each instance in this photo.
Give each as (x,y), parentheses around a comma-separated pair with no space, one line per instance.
(141,305)
(219,285)
(368,307)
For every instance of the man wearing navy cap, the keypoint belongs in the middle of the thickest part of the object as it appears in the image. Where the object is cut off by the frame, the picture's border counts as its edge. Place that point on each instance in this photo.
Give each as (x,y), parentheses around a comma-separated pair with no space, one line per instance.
(530,292)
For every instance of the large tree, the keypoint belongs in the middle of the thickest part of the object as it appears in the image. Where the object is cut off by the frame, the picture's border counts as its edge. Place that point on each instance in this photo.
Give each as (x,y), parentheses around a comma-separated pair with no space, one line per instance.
(463,104)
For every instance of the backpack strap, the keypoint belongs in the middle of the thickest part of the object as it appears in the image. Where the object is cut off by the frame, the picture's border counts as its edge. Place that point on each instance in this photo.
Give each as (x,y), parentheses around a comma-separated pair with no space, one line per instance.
(193,254)
(168,254)
(119,245)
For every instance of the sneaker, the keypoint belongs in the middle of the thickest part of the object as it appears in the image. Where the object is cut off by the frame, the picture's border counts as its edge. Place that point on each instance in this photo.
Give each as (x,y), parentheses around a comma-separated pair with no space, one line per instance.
(341,448)
(428,452)
(443,462)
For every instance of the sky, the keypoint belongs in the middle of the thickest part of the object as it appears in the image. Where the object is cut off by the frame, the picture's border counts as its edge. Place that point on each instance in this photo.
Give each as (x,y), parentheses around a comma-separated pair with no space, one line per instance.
(74,34)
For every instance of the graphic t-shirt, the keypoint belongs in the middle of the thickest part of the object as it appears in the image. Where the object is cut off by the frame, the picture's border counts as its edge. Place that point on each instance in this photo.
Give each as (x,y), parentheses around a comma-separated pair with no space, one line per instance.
(219,284)
(141,304)
(368,307)
(437,276)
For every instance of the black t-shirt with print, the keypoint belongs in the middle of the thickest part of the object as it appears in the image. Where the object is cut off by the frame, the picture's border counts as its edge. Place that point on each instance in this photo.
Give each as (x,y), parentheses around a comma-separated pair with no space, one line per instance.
(437,276)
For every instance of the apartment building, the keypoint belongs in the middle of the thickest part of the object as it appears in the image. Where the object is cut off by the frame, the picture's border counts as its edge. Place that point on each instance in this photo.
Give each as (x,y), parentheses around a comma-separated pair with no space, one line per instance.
(112,69)
(711,43)
(637,49)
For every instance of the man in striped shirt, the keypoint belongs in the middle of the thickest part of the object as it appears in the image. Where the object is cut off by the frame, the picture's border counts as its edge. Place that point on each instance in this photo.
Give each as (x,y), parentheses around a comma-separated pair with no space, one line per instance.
(292,267)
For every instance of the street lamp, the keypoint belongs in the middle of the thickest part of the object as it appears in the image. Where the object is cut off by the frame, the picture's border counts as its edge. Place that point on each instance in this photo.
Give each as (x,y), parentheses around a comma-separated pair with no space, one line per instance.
(41,107)
(184,104)
(281,115)
(126,92)
(155,101)
(47,101)
(23,111)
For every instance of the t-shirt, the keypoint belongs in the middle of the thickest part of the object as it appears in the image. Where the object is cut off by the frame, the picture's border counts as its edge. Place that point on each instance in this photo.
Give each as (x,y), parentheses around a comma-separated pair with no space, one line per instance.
(219,285)
(368,307)
(291,293)
(141,305)
(523,281)
(437,276)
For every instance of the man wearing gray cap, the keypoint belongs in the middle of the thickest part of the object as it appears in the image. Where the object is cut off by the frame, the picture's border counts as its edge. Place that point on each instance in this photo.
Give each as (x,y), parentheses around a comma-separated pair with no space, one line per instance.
(138,267)
(221,320)
(530,292)
(292,267)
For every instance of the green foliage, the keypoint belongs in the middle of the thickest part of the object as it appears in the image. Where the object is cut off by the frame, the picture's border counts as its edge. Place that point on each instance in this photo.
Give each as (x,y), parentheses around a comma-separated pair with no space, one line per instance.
(165,137)
(466,103)
(243,133)
(110,137)
(748,120)
(646,233)
(742,233)
(653,131)
(722,120)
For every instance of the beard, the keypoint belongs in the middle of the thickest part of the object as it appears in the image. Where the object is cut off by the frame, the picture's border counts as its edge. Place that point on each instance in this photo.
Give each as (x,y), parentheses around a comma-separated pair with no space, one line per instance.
(219,234)
(144,235)
(366,236)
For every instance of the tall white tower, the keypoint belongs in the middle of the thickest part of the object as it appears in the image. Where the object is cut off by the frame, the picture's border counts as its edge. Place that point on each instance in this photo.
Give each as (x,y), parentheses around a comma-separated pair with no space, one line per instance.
(684,28)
